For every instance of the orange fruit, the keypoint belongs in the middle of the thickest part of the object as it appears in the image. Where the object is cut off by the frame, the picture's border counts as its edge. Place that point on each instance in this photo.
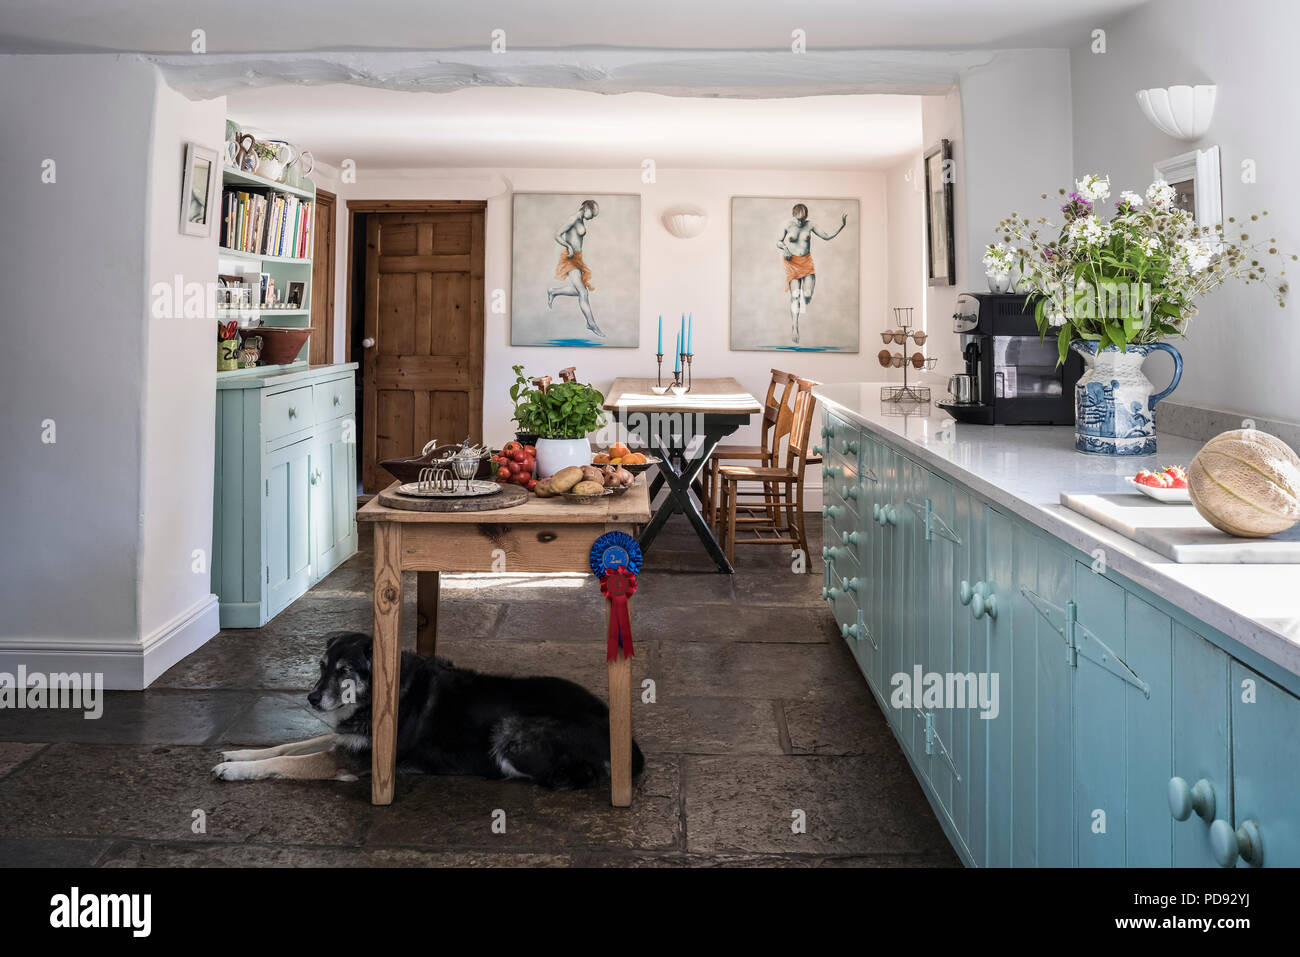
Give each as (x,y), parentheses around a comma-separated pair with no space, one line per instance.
(635,458)
(600,459)
(618,450)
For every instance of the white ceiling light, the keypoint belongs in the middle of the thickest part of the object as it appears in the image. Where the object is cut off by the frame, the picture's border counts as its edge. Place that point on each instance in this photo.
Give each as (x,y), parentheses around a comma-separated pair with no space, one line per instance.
(1183,112)
(685,222)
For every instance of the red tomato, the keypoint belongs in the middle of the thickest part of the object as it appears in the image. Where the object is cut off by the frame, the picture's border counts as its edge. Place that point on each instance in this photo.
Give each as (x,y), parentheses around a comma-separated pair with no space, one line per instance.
(513,468)
(510,447)
(518,455)
(529,463)
(532,484)
(503,473)
(530,450)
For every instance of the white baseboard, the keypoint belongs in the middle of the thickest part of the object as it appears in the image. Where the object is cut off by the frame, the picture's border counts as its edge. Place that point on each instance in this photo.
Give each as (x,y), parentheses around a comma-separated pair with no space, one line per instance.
(125,665)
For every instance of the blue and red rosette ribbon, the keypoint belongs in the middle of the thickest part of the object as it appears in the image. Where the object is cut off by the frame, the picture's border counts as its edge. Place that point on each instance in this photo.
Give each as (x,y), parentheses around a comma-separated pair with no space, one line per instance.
(615,560)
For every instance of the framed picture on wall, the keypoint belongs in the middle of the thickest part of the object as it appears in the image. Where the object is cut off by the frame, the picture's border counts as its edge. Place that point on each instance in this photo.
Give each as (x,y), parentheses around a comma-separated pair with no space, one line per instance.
(575,271)
(794,274)
(1198,187)
(198,189)
(940,243)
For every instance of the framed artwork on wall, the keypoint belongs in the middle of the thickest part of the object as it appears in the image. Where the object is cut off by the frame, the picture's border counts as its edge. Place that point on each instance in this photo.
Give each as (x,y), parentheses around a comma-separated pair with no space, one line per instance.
(198,189)
(1198,187)
(795,264)
(575,270)
(940,241)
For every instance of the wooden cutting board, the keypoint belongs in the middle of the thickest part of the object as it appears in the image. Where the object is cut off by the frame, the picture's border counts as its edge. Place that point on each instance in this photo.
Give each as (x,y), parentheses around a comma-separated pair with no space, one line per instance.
(509,496)
(1178,532)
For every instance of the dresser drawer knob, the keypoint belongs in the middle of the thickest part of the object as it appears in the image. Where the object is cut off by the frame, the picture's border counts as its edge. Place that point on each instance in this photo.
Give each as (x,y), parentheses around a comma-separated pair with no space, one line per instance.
(852,491)
(830,553)
(849,446)
(886,515)
(983,602)
(337,400)
(851,538)
(293,413)
(1184,799)
(832,511)
(850,631)
(853,584)
(1245,842)
(832,593)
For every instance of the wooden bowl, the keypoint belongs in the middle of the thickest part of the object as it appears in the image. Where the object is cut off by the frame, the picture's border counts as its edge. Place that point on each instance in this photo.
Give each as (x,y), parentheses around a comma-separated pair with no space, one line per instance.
(280,345)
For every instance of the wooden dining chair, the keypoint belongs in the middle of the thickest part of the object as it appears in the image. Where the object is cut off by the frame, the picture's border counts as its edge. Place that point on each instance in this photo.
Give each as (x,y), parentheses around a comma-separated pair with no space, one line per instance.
(763,454)
(780,519)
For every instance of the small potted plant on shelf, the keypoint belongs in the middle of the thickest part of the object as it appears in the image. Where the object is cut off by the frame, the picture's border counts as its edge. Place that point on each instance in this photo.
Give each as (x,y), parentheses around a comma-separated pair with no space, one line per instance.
(1113,289)
(560,415)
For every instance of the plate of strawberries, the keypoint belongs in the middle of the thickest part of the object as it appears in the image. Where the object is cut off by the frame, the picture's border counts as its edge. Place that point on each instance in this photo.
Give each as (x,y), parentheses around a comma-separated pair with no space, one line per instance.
(1168,484)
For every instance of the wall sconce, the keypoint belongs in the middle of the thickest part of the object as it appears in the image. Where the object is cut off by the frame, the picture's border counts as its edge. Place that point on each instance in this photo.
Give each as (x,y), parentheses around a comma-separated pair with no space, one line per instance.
(1183,112)
(685,222)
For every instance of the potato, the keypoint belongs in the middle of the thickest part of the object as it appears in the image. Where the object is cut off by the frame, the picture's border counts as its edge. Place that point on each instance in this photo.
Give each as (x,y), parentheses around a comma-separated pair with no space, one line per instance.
(587,488)
(543,488)
(591,474)
(566,478)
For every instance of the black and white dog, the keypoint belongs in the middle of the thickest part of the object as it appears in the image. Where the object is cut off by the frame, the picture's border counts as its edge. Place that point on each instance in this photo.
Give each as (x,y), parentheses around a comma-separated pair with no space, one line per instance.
(450,721)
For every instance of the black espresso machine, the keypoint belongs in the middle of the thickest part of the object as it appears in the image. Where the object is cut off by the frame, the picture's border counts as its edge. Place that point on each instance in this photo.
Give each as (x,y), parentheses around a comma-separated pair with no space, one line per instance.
(1011,376)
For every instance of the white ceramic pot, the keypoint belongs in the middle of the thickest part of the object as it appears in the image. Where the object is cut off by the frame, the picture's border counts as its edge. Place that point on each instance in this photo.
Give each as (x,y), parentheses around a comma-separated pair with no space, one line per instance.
(1114,402)
(555,454)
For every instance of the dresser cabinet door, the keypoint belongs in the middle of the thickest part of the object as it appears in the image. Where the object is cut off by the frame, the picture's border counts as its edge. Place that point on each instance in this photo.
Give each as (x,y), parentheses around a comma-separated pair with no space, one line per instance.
(1265,774)
(1201,702)
(333,481)
(286,529)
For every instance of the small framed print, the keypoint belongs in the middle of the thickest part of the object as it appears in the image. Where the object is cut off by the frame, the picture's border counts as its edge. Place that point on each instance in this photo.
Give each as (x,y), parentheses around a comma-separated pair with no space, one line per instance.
(294,297)
(940,242)
(198,189)
(1197,183)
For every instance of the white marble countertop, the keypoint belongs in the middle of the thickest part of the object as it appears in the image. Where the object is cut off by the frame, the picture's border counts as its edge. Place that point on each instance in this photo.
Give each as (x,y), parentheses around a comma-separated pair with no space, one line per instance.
(1024,469)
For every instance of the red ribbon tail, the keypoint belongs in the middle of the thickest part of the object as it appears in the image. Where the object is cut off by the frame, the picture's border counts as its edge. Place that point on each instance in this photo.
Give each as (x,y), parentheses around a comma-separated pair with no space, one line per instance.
(620,629)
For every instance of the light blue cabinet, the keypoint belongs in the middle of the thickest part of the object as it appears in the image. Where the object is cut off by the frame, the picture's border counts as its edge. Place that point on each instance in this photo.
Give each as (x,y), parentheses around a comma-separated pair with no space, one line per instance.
(1122,733)
(284,504)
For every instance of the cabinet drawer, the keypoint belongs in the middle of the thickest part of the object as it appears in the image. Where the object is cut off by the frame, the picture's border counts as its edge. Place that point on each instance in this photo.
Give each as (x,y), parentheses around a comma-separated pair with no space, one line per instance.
(286,412)
(335,399)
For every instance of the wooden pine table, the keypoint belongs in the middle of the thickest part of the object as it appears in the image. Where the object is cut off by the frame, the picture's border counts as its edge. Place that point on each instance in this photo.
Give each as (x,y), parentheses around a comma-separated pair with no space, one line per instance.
(713,409)
(541,535)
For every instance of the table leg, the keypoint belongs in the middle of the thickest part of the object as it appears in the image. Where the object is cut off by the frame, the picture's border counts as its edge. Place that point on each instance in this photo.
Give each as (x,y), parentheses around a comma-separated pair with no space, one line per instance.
(386,661)
(620,726)
(679,497)
(426,625)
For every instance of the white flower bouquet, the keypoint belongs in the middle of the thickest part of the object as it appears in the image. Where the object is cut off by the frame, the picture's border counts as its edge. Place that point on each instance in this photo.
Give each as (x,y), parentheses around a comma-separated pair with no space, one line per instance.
(1131,279)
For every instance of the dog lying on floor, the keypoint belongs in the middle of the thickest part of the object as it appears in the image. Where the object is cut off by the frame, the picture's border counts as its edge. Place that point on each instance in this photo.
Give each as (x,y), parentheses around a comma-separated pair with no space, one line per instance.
(450,721)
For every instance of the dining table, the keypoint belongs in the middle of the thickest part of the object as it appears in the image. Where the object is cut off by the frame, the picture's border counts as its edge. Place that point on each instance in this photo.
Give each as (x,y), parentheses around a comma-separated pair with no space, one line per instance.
(551,535)
(684,428)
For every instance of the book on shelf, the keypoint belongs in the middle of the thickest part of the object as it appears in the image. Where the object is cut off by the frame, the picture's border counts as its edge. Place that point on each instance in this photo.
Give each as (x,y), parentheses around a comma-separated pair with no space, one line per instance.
(266,222)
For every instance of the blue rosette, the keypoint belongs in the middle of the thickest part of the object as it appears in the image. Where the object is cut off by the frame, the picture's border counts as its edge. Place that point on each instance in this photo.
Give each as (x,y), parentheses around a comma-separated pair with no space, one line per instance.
(615,550)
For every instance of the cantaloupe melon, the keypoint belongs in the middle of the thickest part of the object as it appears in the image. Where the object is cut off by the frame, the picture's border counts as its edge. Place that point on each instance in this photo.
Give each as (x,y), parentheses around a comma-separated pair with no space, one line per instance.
(1247,483)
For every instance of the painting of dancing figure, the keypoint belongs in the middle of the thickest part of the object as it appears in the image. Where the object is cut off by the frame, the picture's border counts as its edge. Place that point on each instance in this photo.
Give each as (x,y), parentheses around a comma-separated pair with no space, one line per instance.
(576,277)
(804,247)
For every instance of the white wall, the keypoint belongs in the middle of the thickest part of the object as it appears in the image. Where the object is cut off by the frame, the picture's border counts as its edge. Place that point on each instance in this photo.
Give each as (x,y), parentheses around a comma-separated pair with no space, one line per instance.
(74,297)
(93,520)
(941,120)
(676,275)
(180,390)
(905,199)
(1243,351)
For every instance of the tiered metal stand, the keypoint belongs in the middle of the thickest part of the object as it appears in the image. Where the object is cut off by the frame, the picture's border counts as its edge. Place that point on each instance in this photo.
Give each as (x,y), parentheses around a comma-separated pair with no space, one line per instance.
(906,393)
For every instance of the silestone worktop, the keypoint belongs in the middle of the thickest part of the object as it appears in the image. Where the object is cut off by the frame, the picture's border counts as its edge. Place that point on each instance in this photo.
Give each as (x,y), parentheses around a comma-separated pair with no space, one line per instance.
(1024,469)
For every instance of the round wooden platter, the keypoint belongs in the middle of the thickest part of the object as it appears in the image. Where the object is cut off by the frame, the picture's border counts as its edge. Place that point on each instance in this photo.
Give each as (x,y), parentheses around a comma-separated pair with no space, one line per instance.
(509,496)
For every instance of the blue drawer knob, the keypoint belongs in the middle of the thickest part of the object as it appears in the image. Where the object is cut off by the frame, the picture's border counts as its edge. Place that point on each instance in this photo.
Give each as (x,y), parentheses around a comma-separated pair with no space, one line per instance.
(832,593)
(1185,798)
(852,491)
(832,511)
(982,604)
(886,515)
(965,593)
(849,446)
(851,631)
(830,553)
(853,584)
(1245,842)
(818,450)
(851,538)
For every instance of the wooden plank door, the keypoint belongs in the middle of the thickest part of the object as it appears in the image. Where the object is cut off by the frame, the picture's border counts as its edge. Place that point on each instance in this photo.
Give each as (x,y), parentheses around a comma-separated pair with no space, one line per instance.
(320,349)
(423,376)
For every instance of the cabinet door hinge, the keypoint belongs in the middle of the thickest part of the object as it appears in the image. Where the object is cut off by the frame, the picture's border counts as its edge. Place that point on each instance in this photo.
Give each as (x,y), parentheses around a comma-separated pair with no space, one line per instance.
(934,744)
(1096,650)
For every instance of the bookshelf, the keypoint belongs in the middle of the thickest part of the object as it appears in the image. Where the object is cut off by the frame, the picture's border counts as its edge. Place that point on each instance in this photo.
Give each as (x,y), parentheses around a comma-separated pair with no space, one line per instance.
(274,230)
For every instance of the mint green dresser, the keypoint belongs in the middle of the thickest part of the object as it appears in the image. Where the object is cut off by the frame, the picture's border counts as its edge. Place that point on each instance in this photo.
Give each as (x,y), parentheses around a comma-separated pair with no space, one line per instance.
(284,502)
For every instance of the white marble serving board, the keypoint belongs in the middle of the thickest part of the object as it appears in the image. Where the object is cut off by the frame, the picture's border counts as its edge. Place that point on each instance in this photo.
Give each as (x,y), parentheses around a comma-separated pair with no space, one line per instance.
(1179,533)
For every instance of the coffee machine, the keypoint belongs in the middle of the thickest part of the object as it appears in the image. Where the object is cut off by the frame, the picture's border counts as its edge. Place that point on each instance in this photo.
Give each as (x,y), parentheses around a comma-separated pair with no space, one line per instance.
(1012,376)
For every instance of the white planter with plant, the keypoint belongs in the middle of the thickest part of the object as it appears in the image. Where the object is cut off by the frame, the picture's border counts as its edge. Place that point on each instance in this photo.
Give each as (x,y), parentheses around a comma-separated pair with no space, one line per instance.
(561,414)
(1113,290)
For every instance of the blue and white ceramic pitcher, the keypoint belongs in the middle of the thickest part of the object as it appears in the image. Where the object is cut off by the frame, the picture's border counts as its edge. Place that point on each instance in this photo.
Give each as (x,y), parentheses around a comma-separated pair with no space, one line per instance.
(1114,403)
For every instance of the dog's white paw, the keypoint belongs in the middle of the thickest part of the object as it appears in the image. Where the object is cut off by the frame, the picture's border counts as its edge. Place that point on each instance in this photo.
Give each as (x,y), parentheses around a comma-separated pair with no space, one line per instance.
(249,754)
(232,771)
(346,776)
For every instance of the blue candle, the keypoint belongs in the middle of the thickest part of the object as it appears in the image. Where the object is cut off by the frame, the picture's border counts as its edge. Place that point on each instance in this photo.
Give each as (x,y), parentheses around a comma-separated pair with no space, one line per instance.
(690,331)
(681,340)
(661,335)
(677,356)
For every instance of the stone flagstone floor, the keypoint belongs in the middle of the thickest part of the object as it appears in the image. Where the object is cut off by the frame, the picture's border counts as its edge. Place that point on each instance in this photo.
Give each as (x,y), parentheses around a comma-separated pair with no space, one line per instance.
(760,710)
